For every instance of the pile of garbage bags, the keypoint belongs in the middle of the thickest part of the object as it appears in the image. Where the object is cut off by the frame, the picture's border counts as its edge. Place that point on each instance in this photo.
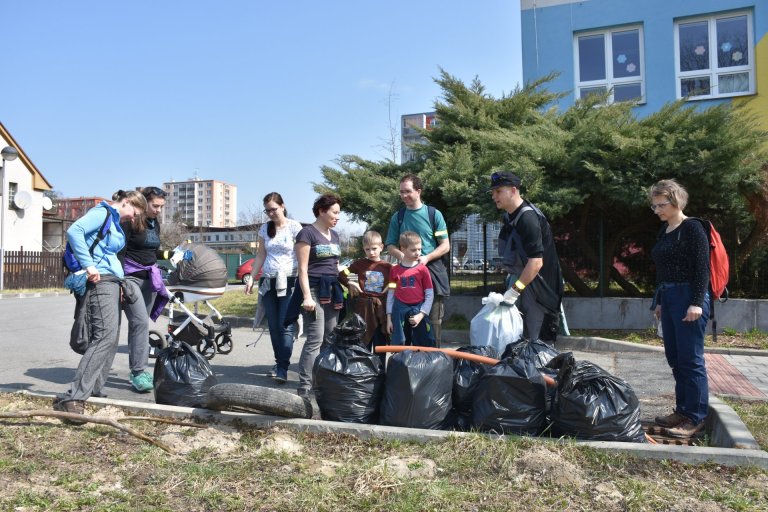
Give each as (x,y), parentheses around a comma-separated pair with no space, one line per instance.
(430,389)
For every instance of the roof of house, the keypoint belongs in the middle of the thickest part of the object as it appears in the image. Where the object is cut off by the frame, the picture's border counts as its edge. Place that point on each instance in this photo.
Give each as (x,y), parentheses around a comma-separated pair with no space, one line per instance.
(38,180)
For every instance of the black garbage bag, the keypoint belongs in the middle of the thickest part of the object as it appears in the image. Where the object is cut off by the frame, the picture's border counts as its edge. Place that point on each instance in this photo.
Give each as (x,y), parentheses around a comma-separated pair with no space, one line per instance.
(536,351)
(182,376)
(540,353)
(349,331)
(347,377)
(466,375)
(592,404)
(418,390)
(510,398)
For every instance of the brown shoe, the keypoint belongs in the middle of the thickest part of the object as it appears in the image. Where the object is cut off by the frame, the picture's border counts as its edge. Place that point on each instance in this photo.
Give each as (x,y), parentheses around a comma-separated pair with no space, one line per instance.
(670,420)
(685,429)
(70,406)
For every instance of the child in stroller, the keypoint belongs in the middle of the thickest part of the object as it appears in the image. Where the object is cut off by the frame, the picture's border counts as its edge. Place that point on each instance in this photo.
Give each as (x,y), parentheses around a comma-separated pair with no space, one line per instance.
(200,275)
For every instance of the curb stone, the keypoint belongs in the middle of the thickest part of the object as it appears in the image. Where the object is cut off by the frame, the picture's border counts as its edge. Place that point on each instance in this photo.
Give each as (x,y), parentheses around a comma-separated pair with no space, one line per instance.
(688,454)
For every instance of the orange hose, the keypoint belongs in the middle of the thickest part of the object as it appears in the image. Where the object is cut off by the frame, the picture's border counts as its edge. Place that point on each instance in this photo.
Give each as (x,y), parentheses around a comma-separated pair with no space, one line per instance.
(456,354)
(650,439)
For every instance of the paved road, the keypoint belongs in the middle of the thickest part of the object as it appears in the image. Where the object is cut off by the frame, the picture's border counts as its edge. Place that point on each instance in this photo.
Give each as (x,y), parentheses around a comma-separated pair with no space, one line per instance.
(34,338)
(34,341)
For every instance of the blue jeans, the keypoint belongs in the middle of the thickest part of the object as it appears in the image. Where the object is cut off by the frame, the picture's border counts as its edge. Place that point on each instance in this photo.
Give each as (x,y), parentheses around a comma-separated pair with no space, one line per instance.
(282,337)
(684,348)
(403,333)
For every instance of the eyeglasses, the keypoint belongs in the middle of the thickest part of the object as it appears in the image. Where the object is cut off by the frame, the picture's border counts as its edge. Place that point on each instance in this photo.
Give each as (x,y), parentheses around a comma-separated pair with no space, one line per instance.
(154,191)
(270,211)
(656,206)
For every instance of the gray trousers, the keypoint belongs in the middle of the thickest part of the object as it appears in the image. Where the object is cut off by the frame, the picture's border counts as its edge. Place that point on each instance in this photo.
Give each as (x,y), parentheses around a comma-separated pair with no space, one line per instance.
(318,324)
(104,315)
(138,323)
(436,318)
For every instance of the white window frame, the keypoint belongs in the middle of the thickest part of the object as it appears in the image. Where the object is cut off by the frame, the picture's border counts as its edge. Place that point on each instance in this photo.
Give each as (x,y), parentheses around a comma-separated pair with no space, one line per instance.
(609,82)
(714,72)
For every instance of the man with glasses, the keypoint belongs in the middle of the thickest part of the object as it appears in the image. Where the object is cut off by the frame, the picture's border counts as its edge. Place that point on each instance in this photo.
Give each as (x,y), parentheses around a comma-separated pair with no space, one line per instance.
(528,254)
(429,224)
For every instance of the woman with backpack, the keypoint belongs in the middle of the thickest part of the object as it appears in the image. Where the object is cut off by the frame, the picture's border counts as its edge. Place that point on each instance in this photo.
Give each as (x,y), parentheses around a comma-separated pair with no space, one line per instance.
(682,305)
(104,277)
(139,258)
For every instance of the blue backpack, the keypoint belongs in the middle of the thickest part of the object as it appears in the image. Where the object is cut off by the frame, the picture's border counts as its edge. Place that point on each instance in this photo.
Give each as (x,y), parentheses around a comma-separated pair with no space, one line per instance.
(68,258)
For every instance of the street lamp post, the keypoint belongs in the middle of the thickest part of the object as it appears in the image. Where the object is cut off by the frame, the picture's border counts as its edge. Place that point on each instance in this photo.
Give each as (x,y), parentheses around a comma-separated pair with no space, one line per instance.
(8,153)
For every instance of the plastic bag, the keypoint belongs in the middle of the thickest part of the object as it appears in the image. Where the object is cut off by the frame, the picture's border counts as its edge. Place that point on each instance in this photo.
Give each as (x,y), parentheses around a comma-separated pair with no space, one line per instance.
(466,375)
(418,390)
(497,324)
(592,404)
(510,399)
(348,378)
(535,351)
(182,376)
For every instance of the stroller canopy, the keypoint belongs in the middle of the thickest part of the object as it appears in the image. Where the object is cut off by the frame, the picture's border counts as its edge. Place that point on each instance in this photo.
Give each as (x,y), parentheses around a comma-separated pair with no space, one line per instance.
(206,269)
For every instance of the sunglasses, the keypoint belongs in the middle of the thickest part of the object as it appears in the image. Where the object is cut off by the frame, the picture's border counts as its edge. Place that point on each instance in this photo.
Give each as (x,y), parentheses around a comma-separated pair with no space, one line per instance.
(154,192)
(657,206)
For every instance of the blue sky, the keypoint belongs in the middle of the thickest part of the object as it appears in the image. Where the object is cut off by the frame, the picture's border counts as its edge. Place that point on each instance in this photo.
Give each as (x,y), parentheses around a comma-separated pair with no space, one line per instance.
(108,95)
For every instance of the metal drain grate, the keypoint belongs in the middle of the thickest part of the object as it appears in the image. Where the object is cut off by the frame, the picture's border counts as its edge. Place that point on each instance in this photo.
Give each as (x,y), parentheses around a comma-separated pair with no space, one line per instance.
(660,436)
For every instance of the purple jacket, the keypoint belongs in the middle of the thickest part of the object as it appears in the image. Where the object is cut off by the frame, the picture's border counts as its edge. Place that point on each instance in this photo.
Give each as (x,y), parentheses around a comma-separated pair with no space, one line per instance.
(162,297)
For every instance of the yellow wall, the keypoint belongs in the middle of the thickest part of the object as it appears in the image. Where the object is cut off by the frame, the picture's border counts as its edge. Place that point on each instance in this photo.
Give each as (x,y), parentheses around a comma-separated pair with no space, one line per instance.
(758,104)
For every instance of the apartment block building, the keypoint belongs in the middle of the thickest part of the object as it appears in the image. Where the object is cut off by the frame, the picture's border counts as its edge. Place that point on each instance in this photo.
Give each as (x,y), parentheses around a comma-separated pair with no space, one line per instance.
(198,202)
(410,133)
(72,208)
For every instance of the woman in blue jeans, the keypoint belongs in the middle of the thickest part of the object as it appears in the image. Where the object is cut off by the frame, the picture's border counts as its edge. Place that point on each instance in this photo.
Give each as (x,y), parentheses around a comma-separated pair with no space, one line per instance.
(681,255)
(275,257)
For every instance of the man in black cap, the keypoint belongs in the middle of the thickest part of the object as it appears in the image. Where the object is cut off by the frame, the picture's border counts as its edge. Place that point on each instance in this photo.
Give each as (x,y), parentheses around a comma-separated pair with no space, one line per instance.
(529,256)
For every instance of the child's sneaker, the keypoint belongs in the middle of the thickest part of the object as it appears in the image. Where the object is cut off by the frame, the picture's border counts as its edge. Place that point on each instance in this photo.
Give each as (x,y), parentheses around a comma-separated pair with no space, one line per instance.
(142,382)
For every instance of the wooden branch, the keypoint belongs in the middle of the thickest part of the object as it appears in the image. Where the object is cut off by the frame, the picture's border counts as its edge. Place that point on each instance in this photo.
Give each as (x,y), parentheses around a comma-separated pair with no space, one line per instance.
(88,419)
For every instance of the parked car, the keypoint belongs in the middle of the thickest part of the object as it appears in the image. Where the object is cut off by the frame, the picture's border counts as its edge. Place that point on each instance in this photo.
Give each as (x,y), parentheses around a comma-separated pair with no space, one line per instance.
(476,265)
(243,272)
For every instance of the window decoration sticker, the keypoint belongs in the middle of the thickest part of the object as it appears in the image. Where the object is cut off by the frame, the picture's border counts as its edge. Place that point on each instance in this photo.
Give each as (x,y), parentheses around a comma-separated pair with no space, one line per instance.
(699,50)
(737,56)
(726,47)
(621,59)
(631,67)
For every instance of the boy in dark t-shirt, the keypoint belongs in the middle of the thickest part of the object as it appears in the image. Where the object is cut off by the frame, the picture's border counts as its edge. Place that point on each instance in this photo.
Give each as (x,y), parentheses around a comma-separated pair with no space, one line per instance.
(370,289)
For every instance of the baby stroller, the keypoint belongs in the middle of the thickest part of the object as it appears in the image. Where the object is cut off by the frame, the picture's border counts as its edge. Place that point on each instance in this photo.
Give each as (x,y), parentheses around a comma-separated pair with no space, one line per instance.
(200,276)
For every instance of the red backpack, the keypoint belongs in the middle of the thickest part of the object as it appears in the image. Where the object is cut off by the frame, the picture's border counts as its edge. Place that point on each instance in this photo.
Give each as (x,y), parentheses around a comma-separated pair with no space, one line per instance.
(718,262)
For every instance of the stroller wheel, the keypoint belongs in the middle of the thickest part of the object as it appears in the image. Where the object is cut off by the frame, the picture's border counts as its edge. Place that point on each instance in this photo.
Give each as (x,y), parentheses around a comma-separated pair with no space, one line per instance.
(224,343)
(157,342)
(207,348)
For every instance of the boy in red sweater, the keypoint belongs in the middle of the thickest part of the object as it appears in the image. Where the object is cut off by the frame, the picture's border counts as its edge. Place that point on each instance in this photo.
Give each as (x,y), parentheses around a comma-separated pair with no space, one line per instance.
(410,296)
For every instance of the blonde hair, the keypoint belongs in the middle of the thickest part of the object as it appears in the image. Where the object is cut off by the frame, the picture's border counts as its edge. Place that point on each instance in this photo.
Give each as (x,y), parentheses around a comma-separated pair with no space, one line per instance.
(372,237)
(672,190)
(409,239)
(134,197)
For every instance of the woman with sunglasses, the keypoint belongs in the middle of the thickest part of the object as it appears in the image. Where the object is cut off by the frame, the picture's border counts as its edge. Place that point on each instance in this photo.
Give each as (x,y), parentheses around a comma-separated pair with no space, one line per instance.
(277,261)
(681,303)
(139,258)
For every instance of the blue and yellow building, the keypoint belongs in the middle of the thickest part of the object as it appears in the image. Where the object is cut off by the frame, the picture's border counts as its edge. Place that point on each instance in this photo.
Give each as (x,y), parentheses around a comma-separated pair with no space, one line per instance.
(650,52)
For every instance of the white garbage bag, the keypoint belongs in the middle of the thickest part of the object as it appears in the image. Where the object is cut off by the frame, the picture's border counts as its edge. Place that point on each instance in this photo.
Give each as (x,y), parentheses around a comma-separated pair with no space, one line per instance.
(499,323)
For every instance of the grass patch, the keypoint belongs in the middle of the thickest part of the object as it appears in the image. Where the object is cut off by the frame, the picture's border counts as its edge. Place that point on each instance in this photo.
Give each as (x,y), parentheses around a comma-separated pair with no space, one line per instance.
(755,417)
(457,322)
(237,303)
(339,473)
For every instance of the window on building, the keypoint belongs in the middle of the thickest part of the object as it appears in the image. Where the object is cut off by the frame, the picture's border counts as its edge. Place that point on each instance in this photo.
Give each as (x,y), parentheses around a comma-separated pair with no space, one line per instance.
(610,61)
(714,56)
(12,189)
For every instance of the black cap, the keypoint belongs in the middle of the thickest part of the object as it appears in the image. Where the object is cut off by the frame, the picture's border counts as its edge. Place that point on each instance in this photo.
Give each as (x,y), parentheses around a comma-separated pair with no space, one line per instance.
(504,179)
